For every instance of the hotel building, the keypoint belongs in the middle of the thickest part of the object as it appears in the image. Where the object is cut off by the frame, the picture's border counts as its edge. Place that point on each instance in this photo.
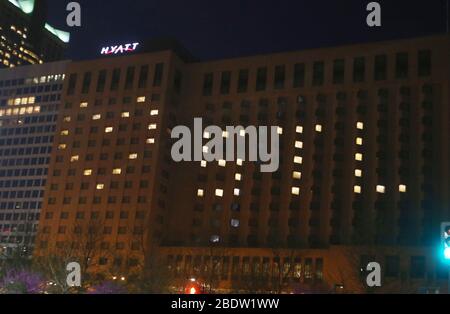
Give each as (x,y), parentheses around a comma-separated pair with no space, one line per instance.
(29,102)
(110,166)
(364,133)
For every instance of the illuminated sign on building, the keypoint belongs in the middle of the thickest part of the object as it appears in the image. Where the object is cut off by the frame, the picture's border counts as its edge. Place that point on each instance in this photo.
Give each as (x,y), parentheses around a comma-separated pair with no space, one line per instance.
(115,50)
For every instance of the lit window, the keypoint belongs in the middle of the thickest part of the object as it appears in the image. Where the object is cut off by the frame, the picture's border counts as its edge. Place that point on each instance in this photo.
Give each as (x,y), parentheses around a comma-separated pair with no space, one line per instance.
(222,163)
(125,114)
(402,188)
(200,193)
(74,158)
(150,141)
(239,162)
(296,175)
(109,129)
(238,177)
(235,223)
(88,172)
(100,186)
(133,156)
(96,117)
(357,189)
(83,105)
(117,171)
(359,157)
(215,239)
(299,130)
(360,126)
(295,191)
(358,173)
(203,164)
(318,128)
(298,144)
(65,132)
(152,127)
(62,146)
(141,99)
(298,160)
(154,112)
(280,131)
(381,189)
(219,192)
(237,192)
(67,119)
(31,100)
(359,141)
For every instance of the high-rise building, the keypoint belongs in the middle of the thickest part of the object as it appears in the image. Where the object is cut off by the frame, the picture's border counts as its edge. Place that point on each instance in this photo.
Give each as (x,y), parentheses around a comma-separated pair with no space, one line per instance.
(25,36)
(364,153)
(29,102)
(108,183)
(364,163)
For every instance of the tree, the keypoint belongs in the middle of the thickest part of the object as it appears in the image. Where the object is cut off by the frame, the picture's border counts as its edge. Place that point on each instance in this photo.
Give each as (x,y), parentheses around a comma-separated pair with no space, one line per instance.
(21,281)
(79,246)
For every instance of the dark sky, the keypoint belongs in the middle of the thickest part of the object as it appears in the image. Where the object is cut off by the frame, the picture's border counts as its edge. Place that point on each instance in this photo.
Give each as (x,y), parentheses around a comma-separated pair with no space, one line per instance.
(213,29)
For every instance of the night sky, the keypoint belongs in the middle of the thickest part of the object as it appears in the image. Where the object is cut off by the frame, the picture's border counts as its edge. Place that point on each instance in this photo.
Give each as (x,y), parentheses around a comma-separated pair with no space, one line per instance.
(214,29)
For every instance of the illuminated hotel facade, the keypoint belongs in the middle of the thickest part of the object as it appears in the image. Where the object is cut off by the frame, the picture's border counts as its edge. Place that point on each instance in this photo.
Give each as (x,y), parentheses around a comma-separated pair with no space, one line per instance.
(364,135)
(29,102)
(25,37)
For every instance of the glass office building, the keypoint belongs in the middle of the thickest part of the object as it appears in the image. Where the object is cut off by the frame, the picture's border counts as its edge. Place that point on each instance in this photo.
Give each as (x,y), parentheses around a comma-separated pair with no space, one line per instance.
(25,37)
(29,98)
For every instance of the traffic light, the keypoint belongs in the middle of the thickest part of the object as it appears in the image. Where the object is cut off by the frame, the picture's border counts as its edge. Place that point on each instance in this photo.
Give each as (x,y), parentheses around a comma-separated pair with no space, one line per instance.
(445,240)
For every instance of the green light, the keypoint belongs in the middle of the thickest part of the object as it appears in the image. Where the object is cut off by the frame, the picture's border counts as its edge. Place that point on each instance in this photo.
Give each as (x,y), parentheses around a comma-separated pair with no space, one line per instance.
(64,36)
(27,6)
(447,253)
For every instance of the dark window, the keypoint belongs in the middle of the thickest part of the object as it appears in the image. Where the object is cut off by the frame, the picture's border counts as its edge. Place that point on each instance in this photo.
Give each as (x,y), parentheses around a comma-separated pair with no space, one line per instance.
(243,81)
(177,81)
(318,73)
(159,72)
(299,75)
(101,81)
(339,71)
(424,63)
(392,266)
(115,79)
(380,68)
(143,76)
(280,76)
(72,84)
(261,79)
(208,84)
(225,83)
(86,82)
(359,70)
(130,78)
(401,66)
(417,267)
